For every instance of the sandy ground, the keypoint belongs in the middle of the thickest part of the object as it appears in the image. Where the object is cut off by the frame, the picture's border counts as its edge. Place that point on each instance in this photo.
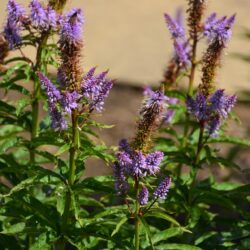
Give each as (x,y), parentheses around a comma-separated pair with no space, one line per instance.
(130,38)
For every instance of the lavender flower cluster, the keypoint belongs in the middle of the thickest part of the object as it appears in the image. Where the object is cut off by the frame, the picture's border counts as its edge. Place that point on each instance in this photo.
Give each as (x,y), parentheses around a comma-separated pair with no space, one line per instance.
(134,160)
(160,192)
(168,113)
(211,111)
(181,45)
(218,29)
(40,18)
(93,88)
(213,29)
(135,163)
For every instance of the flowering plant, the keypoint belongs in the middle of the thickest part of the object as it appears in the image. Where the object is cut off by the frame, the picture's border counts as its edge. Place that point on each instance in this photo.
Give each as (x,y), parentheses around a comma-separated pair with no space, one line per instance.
(156,198)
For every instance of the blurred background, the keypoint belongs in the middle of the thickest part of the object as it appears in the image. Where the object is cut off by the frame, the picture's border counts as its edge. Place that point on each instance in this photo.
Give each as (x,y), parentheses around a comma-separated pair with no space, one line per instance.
(130,39)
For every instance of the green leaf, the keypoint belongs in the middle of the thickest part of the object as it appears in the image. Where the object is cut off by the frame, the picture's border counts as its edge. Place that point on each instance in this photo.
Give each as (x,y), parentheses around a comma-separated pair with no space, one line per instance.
(23,184)
(147,228)
(7,144)
(62,149)
(226,186)
(21,104)
(173,246)
(60,199)
(118,226)
(205,236)
(41,243)
(14,229)
(99,125)
(230,139)
(166,234)
(88,201)
(100,184)
(13,86)
(214,197)
(222,161)
(8,130)
(111,211)
(162,216)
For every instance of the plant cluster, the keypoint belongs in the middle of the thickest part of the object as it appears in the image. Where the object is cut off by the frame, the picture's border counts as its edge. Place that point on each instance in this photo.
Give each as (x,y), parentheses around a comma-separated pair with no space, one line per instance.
(155,198)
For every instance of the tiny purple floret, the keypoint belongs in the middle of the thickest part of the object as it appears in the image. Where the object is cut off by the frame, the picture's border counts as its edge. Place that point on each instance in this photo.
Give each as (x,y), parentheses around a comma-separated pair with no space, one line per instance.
(162,190)
(143,196)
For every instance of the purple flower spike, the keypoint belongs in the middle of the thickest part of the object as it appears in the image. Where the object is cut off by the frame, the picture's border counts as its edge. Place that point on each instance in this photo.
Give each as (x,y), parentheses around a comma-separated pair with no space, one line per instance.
(138,166)
(214,125)
(172,101)
(153,161)
(148,92)
(69,101)
(54,97)
(13,27)
(38,15)
(143,196)
(42,18)
(71,32)
(198,107)
(52,92)
(218,29)
(212,110)
(154,97)
(51,18)
(124,159)
(124,145)
(168,117)
(170,112)
(217,100)
(221,103)
(209,23)
(12,34)
(229,104)
(162,190)
(15,12)
(182,53)
(96,89)
(58,121)
(175,29)
(121,185)
(180,18)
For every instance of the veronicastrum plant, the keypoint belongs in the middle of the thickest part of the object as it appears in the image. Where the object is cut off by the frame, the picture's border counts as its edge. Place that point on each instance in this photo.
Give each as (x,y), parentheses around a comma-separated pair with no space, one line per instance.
(156,198)
(201,111)
(42,207)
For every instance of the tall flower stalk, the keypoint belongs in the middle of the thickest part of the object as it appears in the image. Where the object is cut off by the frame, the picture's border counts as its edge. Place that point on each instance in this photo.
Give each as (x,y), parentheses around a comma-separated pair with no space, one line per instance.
(42,21)
(185,48)
(77,95)
(136,161)
(211,108)
(195,14)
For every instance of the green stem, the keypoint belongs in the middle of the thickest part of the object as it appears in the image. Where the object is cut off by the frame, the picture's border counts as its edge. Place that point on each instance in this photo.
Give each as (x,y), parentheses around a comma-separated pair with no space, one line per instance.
(190,92)
(73,149)
(197,159)
(193,66)
(152,203)
(194,170)
(71,175)
(137,220)
(36,93)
